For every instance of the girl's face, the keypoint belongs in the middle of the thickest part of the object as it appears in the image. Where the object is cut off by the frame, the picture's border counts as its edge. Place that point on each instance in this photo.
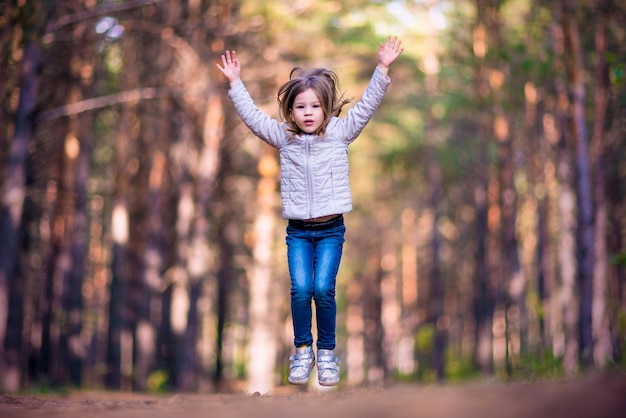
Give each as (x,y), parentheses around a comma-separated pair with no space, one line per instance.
(307,111)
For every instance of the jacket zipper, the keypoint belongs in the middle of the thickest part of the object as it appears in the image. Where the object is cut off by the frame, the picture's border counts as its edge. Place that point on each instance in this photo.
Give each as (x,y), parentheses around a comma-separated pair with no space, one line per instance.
(308,172)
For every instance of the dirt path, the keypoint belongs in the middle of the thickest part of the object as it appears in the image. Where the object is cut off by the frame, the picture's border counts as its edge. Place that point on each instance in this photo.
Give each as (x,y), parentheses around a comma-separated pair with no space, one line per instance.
(591,397)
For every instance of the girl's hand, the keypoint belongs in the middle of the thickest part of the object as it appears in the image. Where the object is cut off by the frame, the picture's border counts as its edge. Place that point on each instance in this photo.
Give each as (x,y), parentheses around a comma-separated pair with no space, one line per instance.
(230,67)
(389,51)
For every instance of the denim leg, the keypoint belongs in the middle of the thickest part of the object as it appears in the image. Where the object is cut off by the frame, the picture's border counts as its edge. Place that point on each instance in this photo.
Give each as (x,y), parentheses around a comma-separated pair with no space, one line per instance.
(314,258)
(300,260)
(328,253)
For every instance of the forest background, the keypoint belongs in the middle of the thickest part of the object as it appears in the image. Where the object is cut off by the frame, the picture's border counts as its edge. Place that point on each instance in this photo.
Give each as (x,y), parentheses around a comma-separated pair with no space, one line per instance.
(141,243)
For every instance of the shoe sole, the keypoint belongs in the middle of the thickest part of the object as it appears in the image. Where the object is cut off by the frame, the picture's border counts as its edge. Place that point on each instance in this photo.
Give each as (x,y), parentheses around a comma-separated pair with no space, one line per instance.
(299,382)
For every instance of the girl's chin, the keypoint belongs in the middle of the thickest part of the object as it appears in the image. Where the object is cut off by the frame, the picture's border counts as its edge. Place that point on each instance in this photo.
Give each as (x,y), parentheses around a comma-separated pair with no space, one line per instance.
(309,129)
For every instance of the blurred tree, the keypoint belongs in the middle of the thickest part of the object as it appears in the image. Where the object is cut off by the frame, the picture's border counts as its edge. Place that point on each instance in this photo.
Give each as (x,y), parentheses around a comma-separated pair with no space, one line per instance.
(30,27)
(484,287)
(578,131)
(602,350)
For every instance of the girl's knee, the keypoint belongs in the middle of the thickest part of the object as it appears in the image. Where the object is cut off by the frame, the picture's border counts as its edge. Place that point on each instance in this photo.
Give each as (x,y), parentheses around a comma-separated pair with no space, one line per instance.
(324,294)
(301,293)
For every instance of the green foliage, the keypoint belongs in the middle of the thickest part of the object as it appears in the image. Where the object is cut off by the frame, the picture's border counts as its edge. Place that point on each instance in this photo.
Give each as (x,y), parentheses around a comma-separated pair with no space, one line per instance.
(619,259)
(459,369)
(45,387)
(240,370)
(540,366)
(617,75)
(424,343)
(158,382)
(424,339)
(621,333)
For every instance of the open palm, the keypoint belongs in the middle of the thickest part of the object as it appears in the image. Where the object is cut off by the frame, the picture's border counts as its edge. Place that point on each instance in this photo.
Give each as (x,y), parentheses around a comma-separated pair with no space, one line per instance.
(230,66)
(389,51)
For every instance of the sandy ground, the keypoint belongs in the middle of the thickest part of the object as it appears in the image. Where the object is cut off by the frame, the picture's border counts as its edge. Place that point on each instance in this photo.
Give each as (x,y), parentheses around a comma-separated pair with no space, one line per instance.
(592,397)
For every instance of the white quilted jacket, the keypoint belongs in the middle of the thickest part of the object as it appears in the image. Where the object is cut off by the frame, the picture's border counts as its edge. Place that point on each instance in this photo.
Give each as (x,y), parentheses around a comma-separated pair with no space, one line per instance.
(314,169)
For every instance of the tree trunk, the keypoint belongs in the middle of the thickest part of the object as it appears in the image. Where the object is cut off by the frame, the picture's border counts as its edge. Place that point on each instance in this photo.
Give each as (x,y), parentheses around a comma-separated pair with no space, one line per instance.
(539,159)
(209,163)
(567,260)
(437,286)
(156,250)
(177,344)
(585,227)
(13,195)
(119,318)
(263,316)
(150,242)
(484,293)
(512,288)
(566,306)
(371,307)
(390,302)
(566,344)
(78,146)
(409,286)
(71,345)
(484,302)
(391,315)
(602,350)
(117,295)
(355,341)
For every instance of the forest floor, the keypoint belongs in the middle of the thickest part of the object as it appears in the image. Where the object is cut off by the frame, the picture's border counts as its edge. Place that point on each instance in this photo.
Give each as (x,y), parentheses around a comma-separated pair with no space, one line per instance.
(597,396)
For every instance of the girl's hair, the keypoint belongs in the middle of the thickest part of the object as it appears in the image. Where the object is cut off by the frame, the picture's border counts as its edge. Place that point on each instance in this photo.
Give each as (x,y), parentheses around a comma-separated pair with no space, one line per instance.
(323,82)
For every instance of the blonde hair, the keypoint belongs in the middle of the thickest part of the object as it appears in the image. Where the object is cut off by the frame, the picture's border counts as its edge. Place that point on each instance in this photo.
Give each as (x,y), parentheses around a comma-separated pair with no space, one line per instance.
(323,82)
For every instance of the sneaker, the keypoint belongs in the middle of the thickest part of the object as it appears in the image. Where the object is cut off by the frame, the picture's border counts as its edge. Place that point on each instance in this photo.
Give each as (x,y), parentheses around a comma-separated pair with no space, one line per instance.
(327,369)
(301,364)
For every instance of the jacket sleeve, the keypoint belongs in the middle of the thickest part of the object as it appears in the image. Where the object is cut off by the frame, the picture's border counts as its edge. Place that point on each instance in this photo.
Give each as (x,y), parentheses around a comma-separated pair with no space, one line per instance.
(267,129)
(361,113)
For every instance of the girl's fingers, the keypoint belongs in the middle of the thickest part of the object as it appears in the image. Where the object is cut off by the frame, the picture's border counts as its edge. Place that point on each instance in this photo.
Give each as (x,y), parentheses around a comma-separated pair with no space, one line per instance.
(229,57)
(392,43)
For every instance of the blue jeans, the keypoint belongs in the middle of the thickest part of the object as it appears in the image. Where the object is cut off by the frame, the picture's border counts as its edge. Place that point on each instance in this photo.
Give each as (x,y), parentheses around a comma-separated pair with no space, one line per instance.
(314,256)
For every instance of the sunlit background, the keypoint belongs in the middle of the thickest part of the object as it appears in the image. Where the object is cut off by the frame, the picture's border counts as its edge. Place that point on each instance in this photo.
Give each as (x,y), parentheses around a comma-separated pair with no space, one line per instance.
(141,243)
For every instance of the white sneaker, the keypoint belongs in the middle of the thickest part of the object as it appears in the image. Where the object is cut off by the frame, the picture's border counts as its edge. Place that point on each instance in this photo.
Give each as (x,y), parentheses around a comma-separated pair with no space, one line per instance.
(327,369)
(301,364)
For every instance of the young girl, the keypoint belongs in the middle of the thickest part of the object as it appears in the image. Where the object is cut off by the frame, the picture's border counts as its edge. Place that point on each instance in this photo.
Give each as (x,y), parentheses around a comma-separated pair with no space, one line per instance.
(315,190)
